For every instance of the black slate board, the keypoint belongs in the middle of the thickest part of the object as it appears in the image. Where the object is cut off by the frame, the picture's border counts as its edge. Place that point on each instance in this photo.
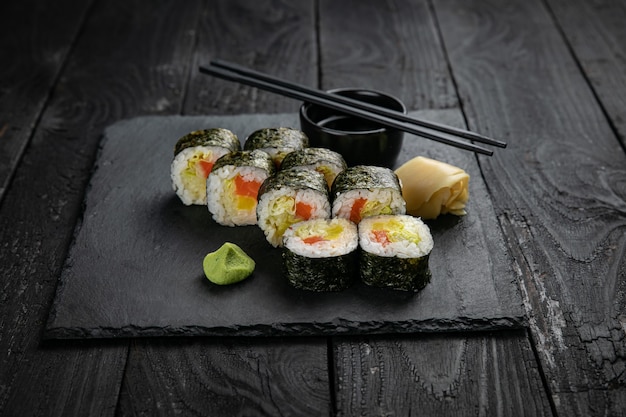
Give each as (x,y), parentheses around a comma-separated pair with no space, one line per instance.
(135,267)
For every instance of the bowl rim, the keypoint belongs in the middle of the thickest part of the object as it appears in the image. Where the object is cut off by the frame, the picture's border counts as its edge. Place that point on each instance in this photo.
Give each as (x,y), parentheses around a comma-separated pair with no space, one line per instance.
(306,105)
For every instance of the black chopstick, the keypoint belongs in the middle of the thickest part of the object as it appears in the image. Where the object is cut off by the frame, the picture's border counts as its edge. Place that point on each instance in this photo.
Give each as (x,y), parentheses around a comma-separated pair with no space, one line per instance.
(360,104)
(329,100)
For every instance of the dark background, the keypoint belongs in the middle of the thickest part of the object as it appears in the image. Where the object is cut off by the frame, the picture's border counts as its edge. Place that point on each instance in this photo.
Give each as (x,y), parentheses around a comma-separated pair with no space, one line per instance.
(547,76)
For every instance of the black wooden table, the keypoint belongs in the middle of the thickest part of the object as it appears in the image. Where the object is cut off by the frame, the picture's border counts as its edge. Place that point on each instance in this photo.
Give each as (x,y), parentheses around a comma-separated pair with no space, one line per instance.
(546,76)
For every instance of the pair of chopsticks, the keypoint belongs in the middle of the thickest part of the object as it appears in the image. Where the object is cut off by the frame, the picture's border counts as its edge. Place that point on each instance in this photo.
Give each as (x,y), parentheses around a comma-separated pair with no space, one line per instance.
(384,116)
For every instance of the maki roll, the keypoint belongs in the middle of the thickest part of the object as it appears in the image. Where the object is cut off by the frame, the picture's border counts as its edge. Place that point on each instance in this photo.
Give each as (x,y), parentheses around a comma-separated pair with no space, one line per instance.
(290,197)
(395,251)
(363,191)
(194,157)
(321,254)
(329,163)
(278,142)
(233,186)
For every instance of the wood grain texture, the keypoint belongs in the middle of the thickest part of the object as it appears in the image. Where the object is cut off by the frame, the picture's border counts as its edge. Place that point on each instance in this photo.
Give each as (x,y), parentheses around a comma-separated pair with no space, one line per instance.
(439,375)
(386,45)
(127,61)
(34,44)
(596,33)
(559,190)
(547,76)
(388,381)
(217,377)
(273,36)
(231,377)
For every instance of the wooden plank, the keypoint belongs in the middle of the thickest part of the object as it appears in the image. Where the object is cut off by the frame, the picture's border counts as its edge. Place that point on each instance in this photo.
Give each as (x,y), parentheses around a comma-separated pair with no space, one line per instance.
(77,379)
(226,377)
(443,375)
(429,375)
(273,36)
(390,46)
(34,44)
(558,190)
(596,33)
(282,376)
(128,60)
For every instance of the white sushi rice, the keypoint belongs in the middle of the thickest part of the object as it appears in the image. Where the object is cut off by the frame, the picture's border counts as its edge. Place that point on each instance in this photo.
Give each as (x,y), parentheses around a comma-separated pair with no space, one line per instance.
(221,198)
(403,248)
(346,242)
(192,190)
(389,201)
(271,217)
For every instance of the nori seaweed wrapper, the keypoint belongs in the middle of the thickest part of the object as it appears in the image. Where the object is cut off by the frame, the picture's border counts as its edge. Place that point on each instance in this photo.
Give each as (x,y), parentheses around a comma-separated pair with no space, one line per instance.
(408,274)
(310,156)
(256,158)
(365,177)
(295,178)
(277,137)
(320,274)
(208,137)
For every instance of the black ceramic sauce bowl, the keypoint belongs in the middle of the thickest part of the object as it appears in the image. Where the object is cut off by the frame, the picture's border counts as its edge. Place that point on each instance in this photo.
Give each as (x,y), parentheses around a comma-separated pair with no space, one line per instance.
(359,141)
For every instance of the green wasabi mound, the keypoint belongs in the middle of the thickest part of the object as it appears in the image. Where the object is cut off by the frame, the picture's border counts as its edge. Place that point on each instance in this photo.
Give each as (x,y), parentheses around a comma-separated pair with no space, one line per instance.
(228,265)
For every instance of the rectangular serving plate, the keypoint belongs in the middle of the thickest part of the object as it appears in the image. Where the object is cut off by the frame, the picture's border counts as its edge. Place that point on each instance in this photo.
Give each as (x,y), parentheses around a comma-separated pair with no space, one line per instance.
(135,265)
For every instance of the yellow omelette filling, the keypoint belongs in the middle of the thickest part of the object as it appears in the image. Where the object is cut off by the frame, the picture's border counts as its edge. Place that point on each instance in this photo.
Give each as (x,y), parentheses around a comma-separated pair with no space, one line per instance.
(194,175)
(373,208)
(318,231)
(282,213)
(235,201)
(362,208)
(245,203)
(286,211)
(392,230)
(328,173)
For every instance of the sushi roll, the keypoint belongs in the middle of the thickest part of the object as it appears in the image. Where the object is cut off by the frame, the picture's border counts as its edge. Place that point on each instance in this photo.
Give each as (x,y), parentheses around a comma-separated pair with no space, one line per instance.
(278,142)
(290,197)
(394,252)
(329,163)
(321,254)
(233,186)
(363,191)
(194,157)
